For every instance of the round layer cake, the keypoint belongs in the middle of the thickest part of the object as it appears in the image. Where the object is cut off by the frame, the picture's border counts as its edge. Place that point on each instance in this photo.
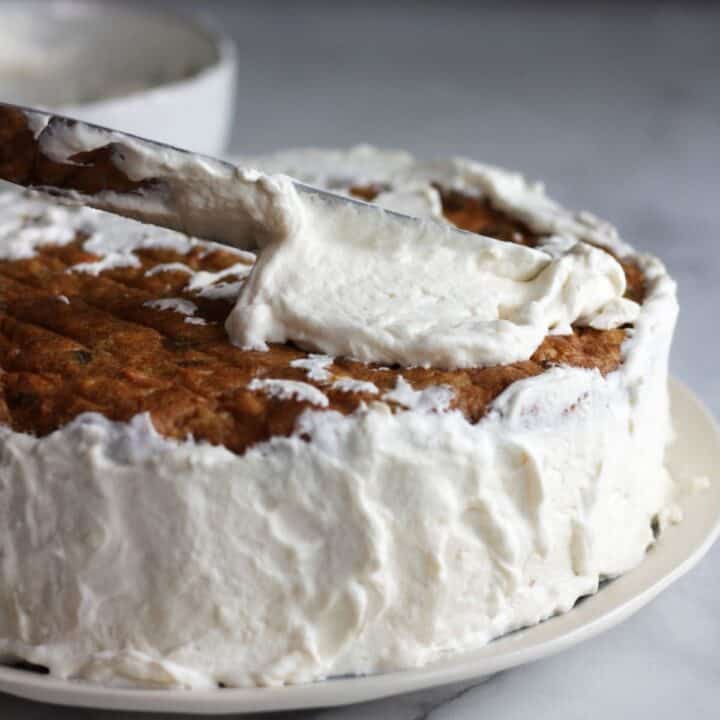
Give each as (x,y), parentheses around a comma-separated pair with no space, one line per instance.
(177,511)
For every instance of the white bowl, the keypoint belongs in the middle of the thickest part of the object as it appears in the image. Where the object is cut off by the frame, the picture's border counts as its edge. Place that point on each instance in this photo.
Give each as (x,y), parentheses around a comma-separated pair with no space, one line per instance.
(142,71)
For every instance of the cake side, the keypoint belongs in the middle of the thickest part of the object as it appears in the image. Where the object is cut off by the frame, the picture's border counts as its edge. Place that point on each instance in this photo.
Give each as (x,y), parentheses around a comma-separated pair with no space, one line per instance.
(371,535)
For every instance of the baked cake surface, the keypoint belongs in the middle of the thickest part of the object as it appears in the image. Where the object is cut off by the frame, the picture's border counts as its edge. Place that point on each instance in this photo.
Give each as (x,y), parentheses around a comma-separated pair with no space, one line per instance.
(194,513)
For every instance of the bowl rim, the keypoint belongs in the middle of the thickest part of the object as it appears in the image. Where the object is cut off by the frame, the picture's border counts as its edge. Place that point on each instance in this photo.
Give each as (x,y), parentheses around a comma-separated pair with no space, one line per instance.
(199,23)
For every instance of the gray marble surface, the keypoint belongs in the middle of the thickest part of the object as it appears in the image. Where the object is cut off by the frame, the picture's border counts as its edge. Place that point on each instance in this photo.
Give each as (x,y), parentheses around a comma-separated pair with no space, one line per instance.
(617,108)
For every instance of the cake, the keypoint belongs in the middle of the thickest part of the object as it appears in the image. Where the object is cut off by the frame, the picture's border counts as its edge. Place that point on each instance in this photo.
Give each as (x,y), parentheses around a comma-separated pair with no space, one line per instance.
(197,491)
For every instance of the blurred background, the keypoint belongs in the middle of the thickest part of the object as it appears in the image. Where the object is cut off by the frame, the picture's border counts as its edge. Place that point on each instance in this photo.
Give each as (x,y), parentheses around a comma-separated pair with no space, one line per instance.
(616,106)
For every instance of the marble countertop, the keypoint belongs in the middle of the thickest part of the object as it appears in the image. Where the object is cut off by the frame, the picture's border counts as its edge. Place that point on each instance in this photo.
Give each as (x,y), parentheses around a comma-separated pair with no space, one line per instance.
(617,108)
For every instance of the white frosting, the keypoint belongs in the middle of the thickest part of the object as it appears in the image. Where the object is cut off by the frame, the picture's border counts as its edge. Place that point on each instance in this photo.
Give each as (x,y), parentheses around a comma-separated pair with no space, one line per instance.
(111,261)
(290,389)
(202,280)
(31,223)
(169,267)
(362,543)
(28,222)
(435,397)
(352,385)
(315,366)
(179,305)
(379,291)
(417,199)
(342,283)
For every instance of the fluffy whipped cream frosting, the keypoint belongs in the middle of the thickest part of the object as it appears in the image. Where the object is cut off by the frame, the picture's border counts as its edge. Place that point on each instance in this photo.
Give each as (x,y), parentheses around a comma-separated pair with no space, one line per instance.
(365,286)
(363,543)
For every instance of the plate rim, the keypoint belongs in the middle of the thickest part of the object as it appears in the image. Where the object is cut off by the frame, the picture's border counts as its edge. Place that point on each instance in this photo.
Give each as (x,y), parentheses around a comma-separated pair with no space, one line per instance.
(584,621)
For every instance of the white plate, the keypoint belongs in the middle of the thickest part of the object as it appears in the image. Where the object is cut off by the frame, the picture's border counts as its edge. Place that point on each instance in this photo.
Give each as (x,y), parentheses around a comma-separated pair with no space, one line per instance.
(696,452)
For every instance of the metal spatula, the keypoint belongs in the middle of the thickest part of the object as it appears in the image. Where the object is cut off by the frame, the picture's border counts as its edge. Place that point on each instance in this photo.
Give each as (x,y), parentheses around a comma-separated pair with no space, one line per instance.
(87,164)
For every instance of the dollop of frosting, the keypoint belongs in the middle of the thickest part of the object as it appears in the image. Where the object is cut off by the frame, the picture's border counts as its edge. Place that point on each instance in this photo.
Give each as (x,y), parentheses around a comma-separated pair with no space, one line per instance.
(379,289)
